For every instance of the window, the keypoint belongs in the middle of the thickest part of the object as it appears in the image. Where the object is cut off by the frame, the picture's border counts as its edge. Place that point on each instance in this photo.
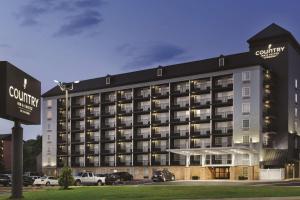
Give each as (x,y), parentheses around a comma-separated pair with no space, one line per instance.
(246,76)
(49,126)
(245,108)
(159,72)
(246,124)
(296,112)
(296,83)
(296,98)
(221,61)
(49,115)
(107,80)
(49,103)
(49,137)
(246,92)
(246,139)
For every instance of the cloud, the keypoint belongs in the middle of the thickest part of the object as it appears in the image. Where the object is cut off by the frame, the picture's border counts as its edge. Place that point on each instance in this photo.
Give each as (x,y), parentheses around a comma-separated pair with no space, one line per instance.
(76,16)
(153,54)
(77,24)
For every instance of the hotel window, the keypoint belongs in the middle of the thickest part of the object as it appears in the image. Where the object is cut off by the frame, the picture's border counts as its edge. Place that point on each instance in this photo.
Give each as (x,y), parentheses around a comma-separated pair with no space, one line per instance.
(221,61)
(107,80)
(246,76)
(246,92)
(49,126)
(246,124)
(296,83)
(296,98)
(49,115)
(49,103)
(246,139)
(159,72)
(296,112)
(245,108)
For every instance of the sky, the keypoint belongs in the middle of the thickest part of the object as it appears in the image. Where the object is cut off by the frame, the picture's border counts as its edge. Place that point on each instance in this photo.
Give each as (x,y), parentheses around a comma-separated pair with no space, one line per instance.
(71,40)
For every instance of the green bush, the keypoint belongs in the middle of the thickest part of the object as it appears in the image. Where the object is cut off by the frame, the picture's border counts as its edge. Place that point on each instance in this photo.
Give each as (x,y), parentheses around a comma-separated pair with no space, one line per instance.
(195,177)
(66,179)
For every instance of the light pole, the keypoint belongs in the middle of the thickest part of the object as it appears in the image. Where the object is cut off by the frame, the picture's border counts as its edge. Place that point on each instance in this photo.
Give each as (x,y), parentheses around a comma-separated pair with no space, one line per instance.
(66,87)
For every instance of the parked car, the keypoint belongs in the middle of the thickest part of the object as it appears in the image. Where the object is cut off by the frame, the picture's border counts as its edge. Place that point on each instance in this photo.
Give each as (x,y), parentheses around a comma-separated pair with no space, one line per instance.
(88,178)
(35,177)
(5,180)
(118,177)
(163,176)
(46,180)
(27,180)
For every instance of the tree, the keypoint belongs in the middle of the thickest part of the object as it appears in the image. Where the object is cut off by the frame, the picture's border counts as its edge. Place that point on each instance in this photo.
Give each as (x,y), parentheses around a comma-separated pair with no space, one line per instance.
(31,149)
(66,179)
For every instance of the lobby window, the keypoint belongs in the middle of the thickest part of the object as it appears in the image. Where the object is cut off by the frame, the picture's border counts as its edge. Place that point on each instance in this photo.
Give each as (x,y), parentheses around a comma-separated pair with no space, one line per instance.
(246,92)
(245,108)
(246,76)
(246,124)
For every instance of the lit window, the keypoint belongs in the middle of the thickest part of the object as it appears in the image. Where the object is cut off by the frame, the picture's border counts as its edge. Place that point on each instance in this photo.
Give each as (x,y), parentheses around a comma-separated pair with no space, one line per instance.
(246,124)
(246,76)
(246,92)
(49,115)
(245,108)
(296,112)
(159,72)
(296,83)
(296,98)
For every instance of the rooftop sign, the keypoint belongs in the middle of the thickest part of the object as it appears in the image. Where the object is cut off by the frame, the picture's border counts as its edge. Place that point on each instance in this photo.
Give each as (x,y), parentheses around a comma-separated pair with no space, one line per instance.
(270,52)
(19,95)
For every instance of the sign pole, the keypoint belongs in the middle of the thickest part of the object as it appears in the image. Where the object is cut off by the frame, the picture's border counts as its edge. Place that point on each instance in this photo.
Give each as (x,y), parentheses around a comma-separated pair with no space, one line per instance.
(17,161)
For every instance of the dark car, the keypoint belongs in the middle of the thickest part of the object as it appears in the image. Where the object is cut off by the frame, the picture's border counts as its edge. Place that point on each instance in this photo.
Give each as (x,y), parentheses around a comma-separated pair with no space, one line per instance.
(5,180)
(118,177)
(27,180)
(163,175)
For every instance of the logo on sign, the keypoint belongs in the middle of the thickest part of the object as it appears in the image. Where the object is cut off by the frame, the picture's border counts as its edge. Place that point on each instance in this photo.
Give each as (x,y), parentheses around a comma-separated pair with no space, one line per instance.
(25,83)
(270,52)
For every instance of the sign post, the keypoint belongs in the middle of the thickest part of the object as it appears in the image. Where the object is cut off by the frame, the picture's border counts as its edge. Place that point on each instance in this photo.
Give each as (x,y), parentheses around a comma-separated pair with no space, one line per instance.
(19,102)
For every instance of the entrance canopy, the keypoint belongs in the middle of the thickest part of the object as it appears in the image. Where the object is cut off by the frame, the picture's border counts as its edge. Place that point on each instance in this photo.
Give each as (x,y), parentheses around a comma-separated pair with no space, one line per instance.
(214,151)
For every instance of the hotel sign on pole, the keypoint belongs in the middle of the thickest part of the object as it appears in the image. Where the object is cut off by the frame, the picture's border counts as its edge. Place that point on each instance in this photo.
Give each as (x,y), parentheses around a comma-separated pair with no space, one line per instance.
(19,95)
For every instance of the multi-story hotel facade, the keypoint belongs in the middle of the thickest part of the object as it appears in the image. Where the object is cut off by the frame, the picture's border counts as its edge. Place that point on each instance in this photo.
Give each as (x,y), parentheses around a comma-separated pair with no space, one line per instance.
(228,117)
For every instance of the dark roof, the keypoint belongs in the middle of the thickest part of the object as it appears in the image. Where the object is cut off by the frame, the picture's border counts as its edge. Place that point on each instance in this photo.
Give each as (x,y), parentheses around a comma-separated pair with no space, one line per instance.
(172,71)
(270,31)
(5,136)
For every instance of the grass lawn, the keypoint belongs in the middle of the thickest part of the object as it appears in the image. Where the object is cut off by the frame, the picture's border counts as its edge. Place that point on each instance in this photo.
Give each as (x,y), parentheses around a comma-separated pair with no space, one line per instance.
(160,192)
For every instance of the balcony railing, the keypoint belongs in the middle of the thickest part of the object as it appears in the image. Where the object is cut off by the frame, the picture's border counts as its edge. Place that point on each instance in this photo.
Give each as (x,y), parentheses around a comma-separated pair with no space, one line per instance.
(182,104)
(159,148)
(161,120)
(108,138)
(200,102)
(108,151)
(200,132)
(224,115)
(181,119)
(108,163)
(142,135)
(161,106)
(223,130)
(142,149)
(224,99)
(224,83)
(201,86)
(78,139)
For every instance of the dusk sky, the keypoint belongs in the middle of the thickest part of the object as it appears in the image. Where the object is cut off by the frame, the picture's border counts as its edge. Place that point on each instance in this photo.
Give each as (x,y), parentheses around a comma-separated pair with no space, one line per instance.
(80,39)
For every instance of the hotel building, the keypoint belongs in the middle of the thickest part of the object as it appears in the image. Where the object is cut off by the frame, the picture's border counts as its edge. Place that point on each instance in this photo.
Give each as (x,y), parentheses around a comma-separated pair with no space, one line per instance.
(228,117)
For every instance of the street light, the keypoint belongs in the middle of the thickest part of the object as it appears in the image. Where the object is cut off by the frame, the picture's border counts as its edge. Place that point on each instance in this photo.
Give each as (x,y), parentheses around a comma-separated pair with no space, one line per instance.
(66,87)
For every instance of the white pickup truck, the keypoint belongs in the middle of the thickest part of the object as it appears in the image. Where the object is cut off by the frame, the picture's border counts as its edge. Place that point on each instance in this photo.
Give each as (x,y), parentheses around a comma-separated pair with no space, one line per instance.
(88,178)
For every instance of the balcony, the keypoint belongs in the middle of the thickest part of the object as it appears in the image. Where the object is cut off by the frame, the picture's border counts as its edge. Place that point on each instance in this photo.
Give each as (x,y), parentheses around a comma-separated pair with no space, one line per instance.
(160,135)
(159,107)
(201,117)
(108,151)
(92,151)
(124,112)
(142,136)
(109,126)
(180,120)
(183,105)
(158,149)
(124,137)
(142,122)
(77,116)
(160,93)
(109,99)
(61,152)
(124,150)
(108,113)
(181,146)
(142,109)
(61,140)
(143,94)
(108,138)
(223,115)
(93,114)
(141,162)
(77,152)
(200,145)
(92,101)
(224,84)
(180,134)
(77,140)
(125,97)
(77,129)
(183,91)
(125,124)
(201,87)
(77,103)
(200,103)
(200,133)
(226,100)
(142,150)
(223,131)
(92,139)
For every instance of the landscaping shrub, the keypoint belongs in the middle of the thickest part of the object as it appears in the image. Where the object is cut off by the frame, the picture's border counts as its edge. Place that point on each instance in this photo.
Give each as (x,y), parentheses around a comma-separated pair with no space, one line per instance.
(66,179)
